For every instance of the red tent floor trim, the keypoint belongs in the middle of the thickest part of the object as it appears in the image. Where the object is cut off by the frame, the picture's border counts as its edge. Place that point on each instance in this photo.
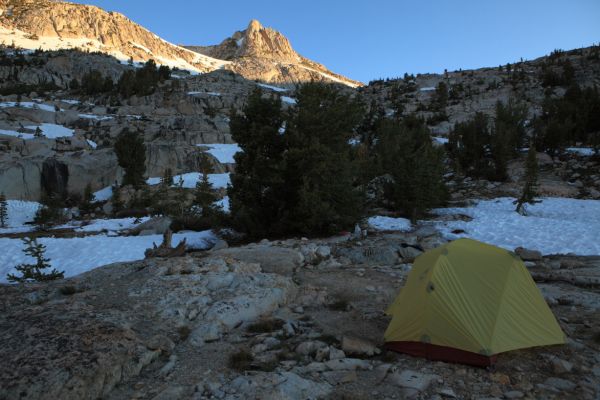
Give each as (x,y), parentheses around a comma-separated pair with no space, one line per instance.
(441,353)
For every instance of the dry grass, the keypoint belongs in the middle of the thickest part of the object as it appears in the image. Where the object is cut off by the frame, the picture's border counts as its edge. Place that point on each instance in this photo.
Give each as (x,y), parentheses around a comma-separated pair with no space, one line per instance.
(265,326)
(241,360)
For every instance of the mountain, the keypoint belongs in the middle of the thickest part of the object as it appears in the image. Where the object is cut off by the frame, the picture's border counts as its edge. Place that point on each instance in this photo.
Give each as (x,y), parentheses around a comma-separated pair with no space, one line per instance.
(256,53)
(264,54)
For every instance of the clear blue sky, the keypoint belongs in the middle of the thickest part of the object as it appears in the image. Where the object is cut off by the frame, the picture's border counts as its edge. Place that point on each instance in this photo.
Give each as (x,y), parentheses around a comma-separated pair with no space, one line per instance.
(366,39)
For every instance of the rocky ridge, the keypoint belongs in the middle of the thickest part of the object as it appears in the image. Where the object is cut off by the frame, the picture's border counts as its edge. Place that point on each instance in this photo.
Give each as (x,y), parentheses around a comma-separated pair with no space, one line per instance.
(263,53)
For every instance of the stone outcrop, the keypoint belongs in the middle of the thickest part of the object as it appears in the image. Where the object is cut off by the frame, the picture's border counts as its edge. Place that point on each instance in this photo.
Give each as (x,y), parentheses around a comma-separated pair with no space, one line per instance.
(77,339)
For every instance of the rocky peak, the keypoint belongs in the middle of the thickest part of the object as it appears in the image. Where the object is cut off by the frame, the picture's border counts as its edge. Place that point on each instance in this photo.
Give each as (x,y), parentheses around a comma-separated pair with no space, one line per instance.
(263,53)
(262,42)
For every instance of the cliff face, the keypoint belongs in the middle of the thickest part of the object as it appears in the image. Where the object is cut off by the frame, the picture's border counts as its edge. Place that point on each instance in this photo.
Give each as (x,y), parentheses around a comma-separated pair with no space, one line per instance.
(256,53)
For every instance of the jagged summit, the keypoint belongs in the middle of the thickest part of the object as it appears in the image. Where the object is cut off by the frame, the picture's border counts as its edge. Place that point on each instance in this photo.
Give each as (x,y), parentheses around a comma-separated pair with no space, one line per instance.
(263,53)
(256,53)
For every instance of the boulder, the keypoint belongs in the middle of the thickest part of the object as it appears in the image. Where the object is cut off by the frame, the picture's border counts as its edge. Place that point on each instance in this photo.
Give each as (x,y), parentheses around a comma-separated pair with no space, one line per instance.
(409,253)
(528,255)
(416,381)
(360,347)
(154,226)
(279,260)
(561,366)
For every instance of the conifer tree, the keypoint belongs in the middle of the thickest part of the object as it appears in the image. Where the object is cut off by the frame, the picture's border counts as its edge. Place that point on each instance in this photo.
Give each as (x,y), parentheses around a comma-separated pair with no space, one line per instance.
(530,185)
(131,155)
(204,196)
(117,202)
(258,186)
(3,211)
(49,213)
(35,272)
(405,151)
(321,185)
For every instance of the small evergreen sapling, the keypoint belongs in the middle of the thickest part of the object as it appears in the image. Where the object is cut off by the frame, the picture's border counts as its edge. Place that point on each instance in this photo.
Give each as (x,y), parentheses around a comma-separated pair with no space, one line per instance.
(88,198)
(35,272)
(3,211)
(117,202)
(167,178)
(531,182)
(204,196)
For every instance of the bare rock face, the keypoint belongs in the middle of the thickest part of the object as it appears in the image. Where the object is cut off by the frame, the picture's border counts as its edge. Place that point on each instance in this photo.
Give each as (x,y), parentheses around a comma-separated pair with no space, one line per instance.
(69,25)
(80,338)
(53,25)
(255,41)
(264,54)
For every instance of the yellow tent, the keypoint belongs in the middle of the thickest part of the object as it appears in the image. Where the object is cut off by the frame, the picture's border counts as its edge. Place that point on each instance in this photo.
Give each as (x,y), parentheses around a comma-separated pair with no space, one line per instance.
(467,301)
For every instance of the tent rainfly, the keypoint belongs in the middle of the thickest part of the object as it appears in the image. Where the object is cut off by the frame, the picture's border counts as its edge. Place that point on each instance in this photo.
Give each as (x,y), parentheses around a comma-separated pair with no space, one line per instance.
(466,302)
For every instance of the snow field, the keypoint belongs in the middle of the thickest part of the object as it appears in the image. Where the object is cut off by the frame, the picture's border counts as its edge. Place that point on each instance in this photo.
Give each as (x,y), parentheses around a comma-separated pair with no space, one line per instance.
(554,226)
(78,255)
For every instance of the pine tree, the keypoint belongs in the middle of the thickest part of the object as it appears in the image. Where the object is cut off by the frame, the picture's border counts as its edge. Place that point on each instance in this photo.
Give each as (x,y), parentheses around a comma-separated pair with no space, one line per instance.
(405,151)
(131,155)
(3,211)
(258,186)
(321,177)
(35,272)
(38,132)
(468,146)
(530,185)
(204,196)
(440,99)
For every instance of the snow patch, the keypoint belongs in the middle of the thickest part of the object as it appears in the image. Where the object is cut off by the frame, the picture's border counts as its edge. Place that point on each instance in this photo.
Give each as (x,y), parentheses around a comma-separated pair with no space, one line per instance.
(222,152)
(95,117)
(78,255)
(582,151)
(554,226)
(273,88)
(190,179)
(224,204)
(103,194)
(20,212)
(53,131)
(27,104)
(382,223)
